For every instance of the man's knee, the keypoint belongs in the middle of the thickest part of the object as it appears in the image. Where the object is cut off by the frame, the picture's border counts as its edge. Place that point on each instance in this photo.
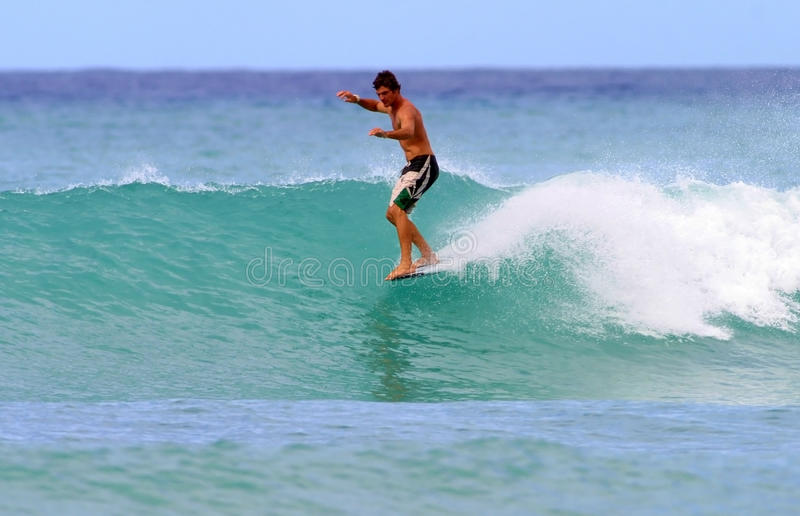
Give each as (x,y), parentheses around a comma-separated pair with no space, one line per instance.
(393,213)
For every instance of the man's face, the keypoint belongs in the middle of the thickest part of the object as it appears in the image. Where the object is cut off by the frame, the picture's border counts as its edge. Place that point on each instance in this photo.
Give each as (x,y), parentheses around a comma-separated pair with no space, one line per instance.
(386,95)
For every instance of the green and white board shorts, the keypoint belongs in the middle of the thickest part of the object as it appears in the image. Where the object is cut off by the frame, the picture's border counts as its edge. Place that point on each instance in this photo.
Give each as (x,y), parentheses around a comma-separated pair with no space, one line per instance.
(418,175)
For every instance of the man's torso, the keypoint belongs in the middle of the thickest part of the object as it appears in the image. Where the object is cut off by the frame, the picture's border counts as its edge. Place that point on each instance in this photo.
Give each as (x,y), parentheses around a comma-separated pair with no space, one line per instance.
(418,144)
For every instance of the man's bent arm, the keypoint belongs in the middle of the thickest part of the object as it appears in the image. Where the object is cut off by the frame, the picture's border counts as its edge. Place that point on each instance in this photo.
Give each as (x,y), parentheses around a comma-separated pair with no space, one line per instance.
(399,134)
(371,105)
(406,130)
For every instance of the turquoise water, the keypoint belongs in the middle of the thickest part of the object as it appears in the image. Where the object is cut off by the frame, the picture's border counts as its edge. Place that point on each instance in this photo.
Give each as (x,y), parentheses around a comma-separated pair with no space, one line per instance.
(193,316)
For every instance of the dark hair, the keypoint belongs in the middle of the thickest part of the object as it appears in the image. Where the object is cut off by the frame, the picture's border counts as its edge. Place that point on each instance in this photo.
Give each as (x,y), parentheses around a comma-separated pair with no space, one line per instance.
(386,78)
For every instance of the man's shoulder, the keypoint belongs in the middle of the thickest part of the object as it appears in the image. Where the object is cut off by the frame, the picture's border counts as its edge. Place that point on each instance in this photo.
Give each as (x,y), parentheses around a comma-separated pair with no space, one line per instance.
(408,107)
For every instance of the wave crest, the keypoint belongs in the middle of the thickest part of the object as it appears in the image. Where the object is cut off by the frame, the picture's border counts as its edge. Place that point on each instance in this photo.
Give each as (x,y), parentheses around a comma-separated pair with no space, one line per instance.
(657,260)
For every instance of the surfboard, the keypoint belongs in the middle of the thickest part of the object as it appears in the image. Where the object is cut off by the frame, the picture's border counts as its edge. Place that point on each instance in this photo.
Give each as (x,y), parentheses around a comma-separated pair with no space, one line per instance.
(420,271)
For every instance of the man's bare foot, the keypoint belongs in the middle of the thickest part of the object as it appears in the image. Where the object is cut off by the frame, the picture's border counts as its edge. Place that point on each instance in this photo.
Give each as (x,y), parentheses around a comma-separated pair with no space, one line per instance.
(400,271)
(431,259)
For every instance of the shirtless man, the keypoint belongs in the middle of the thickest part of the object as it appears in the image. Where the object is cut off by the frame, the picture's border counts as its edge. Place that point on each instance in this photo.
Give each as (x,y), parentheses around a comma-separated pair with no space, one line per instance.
(420,171)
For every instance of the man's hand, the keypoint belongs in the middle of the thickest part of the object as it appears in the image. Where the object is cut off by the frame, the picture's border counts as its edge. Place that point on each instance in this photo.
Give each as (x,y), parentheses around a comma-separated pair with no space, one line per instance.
(347,96)
(380,133)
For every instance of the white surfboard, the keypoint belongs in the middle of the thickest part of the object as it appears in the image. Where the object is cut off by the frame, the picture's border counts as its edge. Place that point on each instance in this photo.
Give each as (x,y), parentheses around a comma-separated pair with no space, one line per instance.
(421,271)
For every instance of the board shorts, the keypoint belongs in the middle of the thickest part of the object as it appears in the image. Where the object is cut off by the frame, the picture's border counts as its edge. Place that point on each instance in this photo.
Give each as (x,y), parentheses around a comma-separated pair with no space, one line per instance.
(418,175)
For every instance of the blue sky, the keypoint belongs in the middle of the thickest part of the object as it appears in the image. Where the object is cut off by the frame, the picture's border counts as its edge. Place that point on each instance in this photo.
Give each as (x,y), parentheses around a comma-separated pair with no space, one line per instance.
(313,34)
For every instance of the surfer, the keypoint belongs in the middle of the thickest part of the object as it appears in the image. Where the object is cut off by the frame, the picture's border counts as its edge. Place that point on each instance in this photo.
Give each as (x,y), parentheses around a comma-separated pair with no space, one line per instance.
(417,176)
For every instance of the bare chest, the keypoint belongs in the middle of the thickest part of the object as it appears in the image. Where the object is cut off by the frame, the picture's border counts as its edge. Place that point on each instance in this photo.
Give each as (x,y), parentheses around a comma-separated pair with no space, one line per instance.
(395,120)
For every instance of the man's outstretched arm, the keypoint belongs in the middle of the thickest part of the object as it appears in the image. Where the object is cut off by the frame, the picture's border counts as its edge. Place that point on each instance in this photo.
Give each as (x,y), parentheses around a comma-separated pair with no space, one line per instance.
(368,104)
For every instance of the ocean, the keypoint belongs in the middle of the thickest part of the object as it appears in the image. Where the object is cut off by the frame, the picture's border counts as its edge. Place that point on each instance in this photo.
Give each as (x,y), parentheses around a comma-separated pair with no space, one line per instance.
(193,317)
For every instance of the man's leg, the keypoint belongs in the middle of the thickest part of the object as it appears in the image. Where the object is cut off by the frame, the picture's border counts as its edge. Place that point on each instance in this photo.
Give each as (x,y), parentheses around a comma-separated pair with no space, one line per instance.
(405,234)
(428,256)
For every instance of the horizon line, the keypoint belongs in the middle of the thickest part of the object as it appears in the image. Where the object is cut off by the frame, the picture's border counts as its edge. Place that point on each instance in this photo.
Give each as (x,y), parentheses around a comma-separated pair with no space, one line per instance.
(471,68)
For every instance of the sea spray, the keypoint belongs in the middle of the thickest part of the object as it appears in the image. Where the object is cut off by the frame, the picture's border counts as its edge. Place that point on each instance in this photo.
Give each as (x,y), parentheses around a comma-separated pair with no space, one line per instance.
(660,260)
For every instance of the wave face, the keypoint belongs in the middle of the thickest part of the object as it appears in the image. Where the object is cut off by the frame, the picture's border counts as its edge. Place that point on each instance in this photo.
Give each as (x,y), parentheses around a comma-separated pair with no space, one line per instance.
(547,291)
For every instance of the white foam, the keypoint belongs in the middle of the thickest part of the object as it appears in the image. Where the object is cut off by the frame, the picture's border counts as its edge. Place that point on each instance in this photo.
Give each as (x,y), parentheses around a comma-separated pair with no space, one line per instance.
(149,174)
(144,174)
(384,171)
(658,260)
